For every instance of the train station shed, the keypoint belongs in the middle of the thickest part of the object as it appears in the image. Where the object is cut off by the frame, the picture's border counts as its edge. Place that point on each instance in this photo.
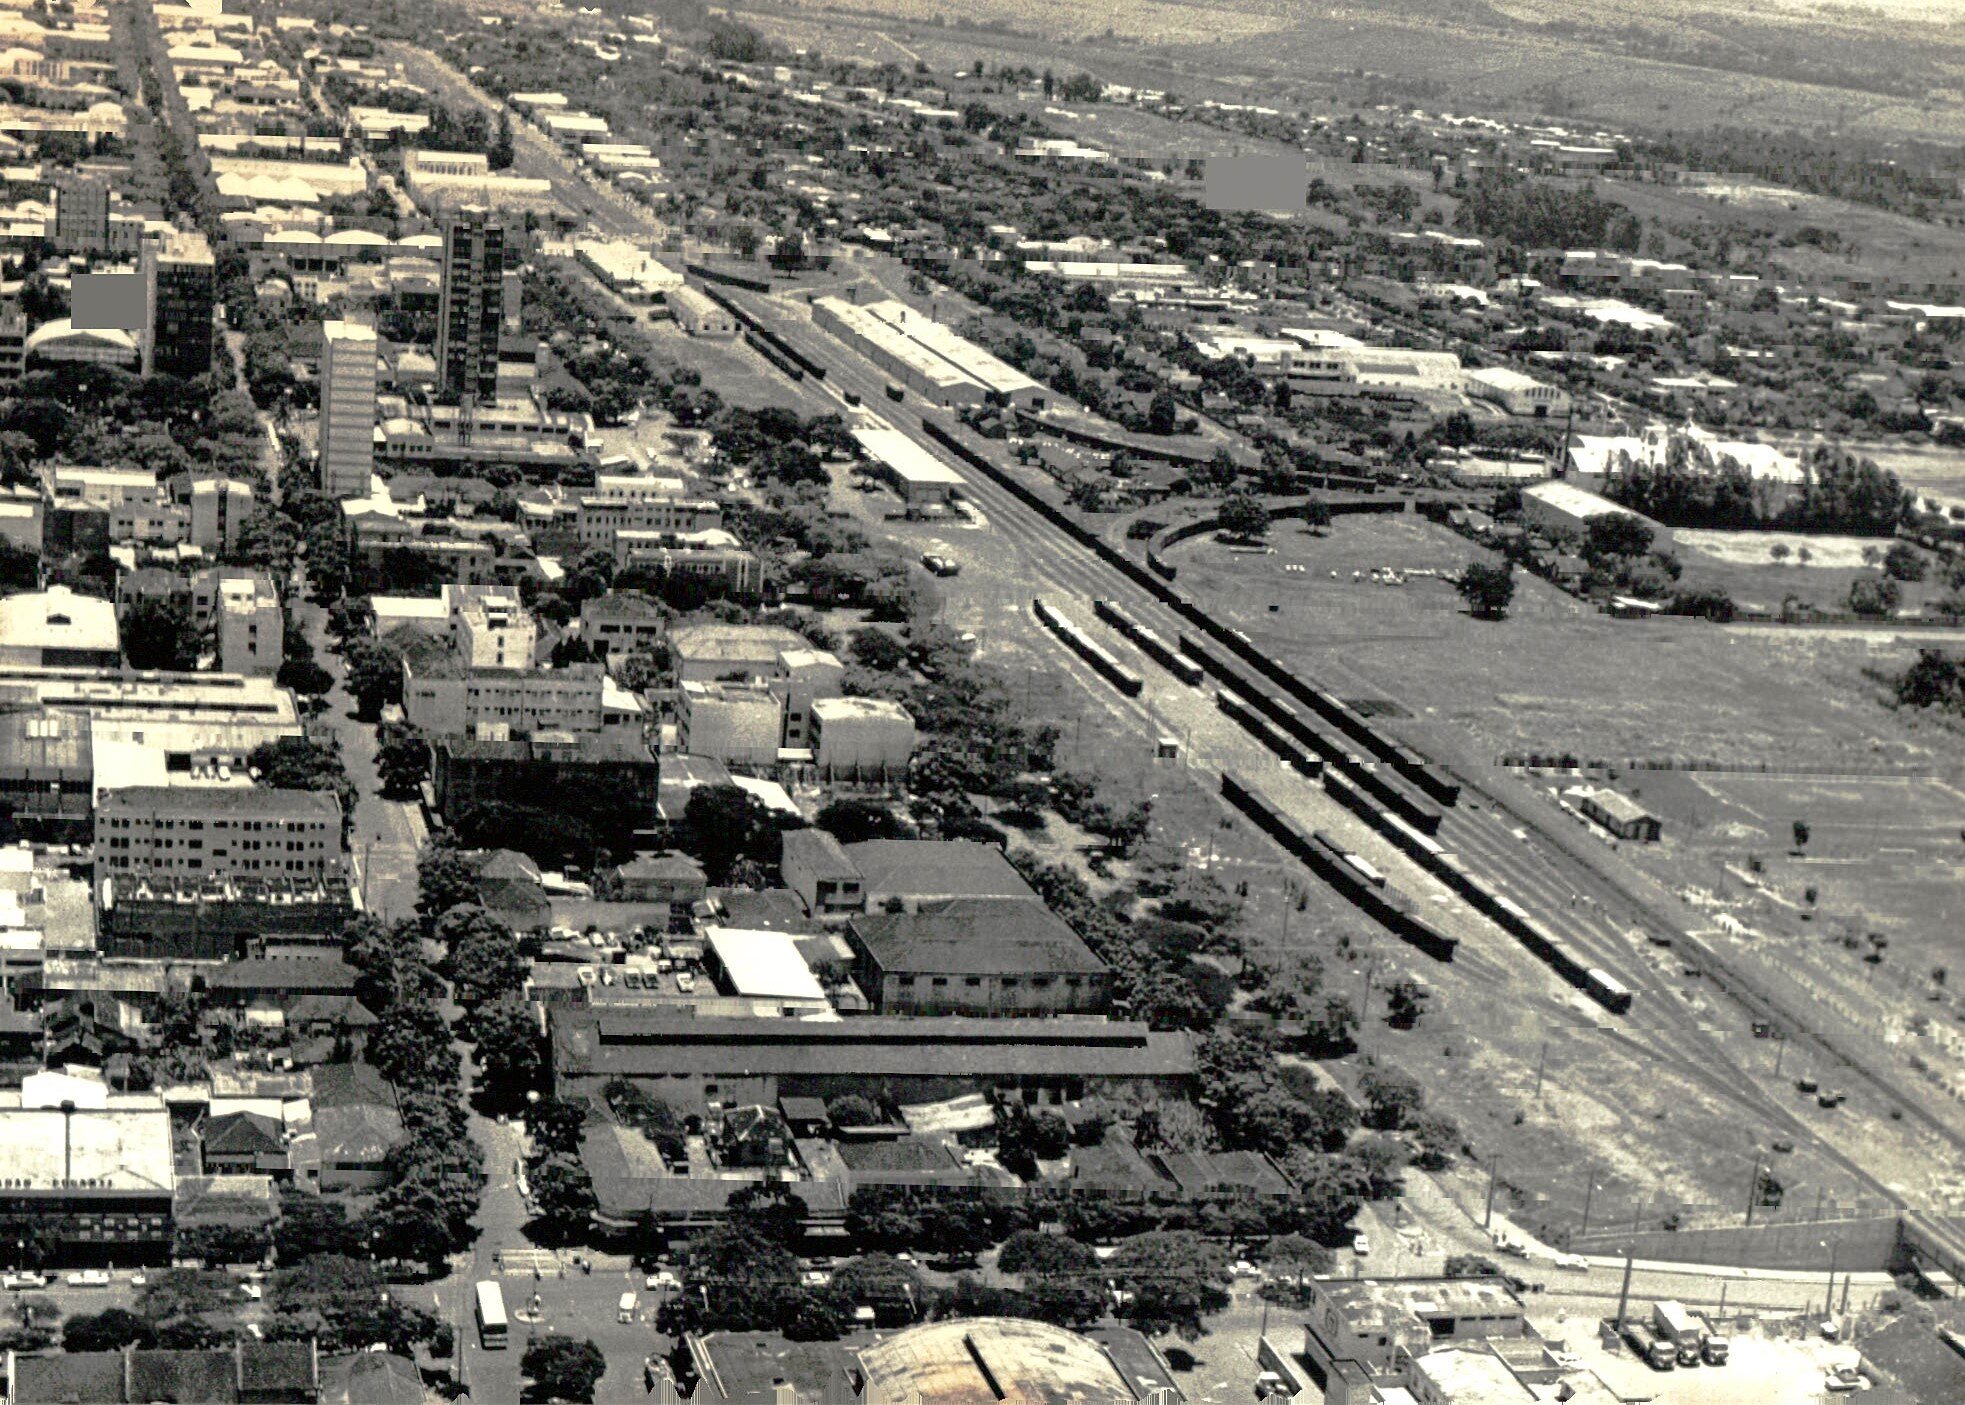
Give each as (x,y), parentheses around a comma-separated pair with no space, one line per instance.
(918,476)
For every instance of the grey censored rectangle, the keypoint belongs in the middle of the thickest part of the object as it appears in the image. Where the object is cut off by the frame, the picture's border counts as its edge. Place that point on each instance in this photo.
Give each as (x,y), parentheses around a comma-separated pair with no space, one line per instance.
(1257,183)
(107,301)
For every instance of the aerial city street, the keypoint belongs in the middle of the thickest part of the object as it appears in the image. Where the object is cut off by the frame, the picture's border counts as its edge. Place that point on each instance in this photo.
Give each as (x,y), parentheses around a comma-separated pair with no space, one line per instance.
(1166,704)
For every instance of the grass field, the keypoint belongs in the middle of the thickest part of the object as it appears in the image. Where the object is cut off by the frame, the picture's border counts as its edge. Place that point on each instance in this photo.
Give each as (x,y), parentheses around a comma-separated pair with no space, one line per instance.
(1555,675)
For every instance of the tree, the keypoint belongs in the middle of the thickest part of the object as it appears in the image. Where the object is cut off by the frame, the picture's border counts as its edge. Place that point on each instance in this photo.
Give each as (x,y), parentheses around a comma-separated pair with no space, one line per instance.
(851,1110)
(444,878)
(564,1193)
(1615,536)
(1933,680)
(509,1056)
(1243,516)
(767,1210)
(1024,1137)
(1405,1002)
(1329,1191)
(158,634)
(112,1329)
(1873,597)
(402,761)
(1904,562)
(375,676)
(560,1368)
(1487,589)
(410,1046)
(729,824)
(1801,834)
(500,154)
(1169,1281)
(312,1224)
(735,1281)
(1297,1257)
(853,821)
(1391,1098)
(1162,414)
(485,963)
(877,649)
(1030,1251)
(303,763)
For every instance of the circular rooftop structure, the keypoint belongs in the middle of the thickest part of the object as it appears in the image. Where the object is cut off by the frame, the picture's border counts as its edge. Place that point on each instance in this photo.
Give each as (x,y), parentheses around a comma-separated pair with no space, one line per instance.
(988,1360)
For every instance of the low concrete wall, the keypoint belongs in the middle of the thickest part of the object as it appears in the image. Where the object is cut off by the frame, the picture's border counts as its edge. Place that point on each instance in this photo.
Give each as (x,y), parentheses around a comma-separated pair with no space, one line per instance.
(1863,1245)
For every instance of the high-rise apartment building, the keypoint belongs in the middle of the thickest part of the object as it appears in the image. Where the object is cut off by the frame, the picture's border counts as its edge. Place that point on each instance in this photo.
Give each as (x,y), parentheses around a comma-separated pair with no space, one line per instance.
(81,215)
(348,351)
(472,306)
(180,290)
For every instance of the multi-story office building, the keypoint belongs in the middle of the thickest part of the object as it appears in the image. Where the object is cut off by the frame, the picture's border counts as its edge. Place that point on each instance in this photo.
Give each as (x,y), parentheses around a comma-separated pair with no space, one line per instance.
(180,287)
(206,831)
(348,351)
(472,306)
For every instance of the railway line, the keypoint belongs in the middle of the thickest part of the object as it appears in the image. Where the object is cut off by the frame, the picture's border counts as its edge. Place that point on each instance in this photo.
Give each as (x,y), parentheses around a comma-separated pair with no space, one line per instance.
(1589,911)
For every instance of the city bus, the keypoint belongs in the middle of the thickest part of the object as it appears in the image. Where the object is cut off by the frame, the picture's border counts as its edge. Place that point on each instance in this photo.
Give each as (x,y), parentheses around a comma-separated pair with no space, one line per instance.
(493,1328)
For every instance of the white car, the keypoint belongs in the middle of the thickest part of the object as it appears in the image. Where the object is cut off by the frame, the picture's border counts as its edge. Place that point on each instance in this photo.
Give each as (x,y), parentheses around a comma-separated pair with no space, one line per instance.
(685,982)
(88,1278)
(663,1281)
(1361,1244)
(1573,1261)
(13,1282)
(252,1291)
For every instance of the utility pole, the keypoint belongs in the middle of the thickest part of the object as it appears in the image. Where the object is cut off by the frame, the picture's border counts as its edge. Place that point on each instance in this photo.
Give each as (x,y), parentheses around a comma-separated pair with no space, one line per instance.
(1487,1214)
(1753,1191)
(1624,1293)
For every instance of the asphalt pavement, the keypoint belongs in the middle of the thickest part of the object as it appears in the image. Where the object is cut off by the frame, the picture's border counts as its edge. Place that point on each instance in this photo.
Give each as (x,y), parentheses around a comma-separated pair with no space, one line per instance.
(386,833)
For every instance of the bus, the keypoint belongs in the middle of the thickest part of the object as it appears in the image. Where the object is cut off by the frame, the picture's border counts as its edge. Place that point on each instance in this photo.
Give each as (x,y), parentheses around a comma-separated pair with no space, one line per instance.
(493,1328)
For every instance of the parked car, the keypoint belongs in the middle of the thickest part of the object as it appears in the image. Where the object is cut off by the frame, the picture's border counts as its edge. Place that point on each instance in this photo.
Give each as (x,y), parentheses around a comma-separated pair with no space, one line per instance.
(252,1291)
(88,1278)
(663,1281)
(1841,1378)
(1573,1261)
(14,1282)
(1361,1244)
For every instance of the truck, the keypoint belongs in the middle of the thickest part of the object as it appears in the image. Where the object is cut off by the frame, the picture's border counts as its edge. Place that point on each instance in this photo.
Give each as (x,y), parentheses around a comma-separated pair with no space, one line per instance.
(1714,1348)
(1674,1325)
(1657,1353)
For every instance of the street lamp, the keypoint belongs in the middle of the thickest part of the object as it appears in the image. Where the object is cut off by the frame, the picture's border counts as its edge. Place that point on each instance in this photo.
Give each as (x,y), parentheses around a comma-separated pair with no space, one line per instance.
(1834,1247)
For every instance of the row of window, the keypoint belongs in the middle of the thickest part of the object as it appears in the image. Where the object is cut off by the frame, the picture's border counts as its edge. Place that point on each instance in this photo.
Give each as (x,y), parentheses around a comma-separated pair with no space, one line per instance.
(1006,982)
(247,826)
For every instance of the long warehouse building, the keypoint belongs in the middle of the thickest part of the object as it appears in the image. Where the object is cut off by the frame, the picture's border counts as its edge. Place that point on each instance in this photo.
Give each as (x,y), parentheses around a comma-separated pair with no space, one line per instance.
(911,364)
(996,375)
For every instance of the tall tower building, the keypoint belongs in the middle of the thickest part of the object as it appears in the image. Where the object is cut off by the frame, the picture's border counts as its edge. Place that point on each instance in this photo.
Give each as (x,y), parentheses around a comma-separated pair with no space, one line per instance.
(472,307)
(348,351)
(180,291)
(81,215)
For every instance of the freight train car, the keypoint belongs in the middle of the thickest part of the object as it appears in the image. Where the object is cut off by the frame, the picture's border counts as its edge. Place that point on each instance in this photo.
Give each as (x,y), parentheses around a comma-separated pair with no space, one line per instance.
(1148,642)
(1391,909)
(1088,649)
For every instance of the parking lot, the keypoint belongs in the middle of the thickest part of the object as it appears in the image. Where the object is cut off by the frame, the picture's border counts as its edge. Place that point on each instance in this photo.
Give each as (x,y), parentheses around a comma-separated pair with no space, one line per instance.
(1761,1371)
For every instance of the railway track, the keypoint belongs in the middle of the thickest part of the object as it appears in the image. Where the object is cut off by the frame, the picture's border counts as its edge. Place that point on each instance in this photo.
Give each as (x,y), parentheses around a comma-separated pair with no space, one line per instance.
(1550,884)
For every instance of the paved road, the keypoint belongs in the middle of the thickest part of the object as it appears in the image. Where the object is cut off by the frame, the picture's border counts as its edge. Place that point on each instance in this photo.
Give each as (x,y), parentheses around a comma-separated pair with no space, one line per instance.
(386,833)
(607,212)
